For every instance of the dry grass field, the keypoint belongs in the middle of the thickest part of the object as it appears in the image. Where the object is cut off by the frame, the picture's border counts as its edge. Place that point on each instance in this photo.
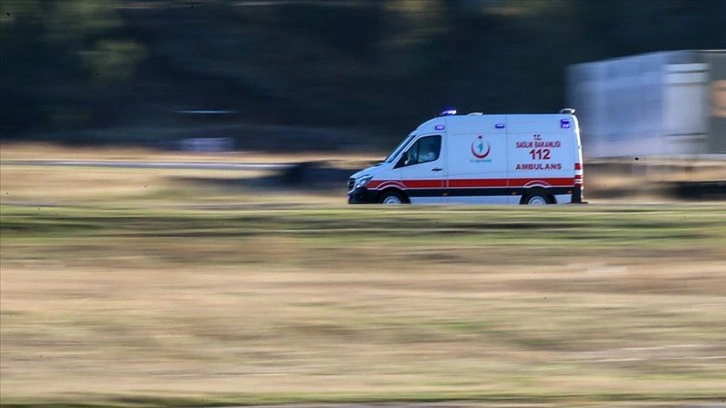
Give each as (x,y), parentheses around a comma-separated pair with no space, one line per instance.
(34,151)
(137,287)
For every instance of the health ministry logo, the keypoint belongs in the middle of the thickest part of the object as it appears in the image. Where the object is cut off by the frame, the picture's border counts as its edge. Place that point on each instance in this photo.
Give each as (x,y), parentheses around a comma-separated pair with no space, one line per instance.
(477,148)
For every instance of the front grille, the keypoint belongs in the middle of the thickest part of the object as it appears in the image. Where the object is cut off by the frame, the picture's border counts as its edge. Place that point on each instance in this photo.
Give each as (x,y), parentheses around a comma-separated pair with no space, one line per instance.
(351,183)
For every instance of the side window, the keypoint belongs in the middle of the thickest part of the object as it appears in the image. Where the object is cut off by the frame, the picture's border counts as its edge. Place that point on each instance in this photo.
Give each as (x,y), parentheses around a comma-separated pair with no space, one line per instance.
(426,149)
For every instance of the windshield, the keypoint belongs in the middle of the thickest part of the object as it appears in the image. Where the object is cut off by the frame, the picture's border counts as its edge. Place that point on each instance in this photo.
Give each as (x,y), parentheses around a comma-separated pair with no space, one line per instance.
(400,147)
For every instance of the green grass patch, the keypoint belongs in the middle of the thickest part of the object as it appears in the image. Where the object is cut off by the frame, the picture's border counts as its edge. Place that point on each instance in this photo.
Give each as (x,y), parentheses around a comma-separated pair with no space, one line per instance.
(498,226)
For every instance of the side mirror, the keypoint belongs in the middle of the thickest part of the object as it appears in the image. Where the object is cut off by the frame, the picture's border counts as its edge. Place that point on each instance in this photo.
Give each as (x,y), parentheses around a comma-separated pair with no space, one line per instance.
(402,160)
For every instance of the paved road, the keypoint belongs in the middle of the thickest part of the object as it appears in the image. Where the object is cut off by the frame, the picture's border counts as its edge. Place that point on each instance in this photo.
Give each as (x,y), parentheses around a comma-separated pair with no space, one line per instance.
(149,165)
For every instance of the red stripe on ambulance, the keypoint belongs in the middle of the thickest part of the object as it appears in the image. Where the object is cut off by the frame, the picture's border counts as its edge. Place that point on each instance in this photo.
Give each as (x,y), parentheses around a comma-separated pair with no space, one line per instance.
(474,183)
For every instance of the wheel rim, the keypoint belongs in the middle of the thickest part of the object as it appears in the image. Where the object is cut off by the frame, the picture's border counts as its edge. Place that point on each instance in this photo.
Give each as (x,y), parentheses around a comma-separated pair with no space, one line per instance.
(392,200)
(537,200)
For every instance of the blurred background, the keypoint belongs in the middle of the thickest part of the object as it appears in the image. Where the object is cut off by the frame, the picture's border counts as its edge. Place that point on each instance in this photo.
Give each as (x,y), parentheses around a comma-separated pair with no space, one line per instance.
(291,75)
(173,226)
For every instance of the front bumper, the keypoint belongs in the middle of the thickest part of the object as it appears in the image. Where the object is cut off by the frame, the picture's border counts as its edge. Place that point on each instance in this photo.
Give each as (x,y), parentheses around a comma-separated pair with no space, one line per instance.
(362,195)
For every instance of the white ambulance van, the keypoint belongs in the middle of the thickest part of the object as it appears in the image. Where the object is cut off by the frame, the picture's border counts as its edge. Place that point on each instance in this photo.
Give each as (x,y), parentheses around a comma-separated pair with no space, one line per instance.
(530,159)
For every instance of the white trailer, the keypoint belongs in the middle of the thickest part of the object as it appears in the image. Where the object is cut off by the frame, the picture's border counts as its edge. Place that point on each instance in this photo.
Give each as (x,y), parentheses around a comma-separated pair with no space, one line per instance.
(659,104)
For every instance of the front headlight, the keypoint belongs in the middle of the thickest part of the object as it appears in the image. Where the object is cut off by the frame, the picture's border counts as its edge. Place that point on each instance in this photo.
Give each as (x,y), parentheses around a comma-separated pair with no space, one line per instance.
(363,180)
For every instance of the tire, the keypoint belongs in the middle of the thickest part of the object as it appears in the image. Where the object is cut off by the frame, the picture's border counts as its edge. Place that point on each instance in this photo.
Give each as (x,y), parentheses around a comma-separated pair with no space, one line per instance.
(392,198)
(536,198)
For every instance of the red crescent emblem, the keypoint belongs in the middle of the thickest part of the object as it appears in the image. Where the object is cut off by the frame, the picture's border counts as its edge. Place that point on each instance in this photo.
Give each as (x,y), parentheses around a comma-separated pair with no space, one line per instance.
(480,155)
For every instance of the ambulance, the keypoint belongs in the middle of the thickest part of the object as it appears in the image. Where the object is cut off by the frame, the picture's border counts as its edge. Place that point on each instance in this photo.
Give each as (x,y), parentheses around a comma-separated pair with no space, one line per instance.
(531,159)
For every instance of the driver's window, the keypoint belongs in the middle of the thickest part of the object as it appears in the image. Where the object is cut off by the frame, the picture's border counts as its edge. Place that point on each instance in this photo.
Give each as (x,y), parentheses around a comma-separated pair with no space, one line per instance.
(425,150)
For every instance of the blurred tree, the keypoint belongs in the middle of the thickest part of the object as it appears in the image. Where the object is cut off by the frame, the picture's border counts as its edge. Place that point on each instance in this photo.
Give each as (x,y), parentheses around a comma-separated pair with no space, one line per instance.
(382,63)
(409,30)
(51,55)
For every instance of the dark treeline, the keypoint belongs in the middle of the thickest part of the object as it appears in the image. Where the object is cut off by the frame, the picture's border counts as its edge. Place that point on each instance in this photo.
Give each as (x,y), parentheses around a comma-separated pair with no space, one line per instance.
(68,66)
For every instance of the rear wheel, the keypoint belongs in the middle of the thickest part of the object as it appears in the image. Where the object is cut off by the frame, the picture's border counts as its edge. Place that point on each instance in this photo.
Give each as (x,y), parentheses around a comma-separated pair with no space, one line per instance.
(392,198)
(536,198)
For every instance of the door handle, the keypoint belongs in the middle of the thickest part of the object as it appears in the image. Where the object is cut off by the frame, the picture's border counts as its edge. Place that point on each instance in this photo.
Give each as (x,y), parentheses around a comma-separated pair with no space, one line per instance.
(436,169)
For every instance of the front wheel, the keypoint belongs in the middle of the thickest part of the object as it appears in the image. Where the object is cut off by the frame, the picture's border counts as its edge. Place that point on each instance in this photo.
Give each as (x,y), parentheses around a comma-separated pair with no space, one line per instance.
(392,198)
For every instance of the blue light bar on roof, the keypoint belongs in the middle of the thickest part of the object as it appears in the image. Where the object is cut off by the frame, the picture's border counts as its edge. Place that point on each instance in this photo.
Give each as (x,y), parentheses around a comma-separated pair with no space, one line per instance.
(448,112)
